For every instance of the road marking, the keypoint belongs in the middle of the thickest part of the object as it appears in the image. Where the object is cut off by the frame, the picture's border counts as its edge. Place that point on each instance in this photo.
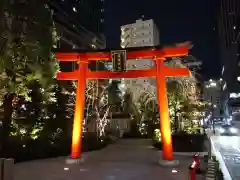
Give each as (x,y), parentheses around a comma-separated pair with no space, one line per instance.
(221,161)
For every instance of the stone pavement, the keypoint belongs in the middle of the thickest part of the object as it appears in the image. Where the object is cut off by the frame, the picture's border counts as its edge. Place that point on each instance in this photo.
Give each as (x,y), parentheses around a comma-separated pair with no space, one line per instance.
(124,160)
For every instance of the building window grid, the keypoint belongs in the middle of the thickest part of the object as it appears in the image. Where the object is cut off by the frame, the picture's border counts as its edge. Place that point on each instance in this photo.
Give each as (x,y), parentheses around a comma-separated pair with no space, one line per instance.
(225,25)
(231,23)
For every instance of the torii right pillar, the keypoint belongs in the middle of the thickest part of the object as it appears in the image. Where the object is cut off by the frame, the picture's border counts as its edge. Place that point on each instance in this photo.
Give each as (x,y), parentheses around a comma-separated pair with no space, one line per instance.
(165,124)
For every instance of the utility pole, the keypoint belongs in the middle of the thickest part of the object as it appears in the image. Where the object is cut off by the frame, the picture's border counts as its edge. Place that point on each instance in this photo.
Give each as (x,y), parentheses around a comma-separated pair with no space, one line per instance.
(212,109)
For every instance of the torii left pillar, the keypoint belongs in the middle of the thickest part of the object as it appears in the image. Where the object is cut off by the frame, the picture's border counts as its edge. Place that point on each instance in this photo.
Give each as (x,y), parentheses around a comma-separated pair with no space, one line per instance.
(79,109)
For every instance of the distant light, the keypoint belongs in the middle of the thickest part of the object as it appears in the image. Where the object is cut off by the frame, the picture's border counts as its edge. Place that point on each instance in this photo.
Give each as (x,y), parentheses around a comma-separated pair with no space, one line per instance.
(23,107)
(234,27)
(94,46)
(238,78)
(221,79)
(122,86)
(213,84)
(214,105)
(74,9)
(174,171)
(210,80)
(234,95)
(66,169)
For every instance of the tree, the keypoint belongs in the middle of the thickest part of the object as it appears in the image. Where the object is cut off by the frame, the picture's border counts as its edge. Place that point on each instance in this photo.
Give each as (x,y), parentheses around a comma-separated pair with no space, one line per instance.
(179,89)
(114,96)
(130,107)
(102,98)
(26,55)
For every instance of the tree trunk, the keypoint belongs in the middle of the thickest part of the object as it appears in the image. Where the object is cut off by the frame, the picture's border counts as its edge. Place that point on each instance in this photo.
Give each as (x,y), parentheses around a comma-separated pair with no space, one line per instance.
(8,110)
(176,123)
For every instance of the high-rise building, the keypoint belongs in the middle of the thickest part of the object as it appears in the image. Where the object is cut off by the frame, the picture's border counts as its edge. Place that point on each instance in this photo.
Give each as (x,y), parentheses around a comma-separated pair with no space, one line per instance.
(79,23)
(212,95)
(229,41)
(139,34)
(229,38)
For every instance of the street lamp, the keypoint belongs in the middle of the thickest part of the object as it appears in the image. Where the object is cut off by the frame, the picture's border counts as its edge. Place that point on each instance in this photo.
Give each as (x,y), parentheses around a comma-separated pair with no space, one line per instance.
(212,109)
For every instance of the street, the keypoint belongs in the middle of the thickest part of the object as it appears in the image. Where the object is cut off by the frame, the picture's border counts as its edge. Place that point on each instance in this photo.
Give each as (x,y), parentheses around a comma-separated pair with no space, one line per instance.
(229,149)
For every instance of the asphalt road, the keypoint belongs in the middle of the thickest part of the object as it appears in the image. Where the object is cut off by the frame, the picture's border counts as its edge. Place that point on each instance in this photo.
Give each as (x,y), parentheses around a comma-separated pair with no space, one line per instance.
(229,148)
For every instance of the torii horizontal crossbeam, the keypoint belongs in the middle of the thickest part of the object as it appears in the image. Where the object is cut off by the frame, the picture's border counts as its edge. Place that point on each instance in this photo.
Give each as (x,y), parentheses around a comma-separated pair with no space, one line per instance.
(168,72)
(132,55)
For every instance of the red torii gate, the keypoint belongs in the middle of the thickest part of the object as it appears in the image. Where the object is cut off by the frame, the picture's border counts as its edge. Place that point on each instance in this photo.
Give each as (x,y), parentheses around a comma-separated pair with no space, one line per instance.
(159,71)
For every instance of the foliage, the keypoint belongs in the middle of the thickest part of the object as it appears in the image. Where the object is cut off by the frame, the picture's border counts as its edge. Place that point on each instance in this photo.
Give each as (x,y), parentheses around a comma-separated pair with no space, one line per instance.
(27,52)
(27,67)
(102,99)
(183,106)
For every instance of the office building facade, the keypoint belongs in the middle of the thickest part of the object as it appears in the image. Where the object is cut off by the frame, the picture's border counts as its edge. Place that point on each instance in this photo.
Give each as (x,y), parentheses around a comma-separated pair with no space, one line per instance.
(79,24)
(212,94)
(229,42)
(142,33)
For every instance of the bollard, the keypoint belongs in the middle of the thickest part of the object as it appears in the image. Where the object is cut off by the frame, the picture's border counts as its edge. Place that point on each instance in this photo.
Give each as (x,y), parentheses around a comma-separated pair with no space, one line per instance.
(196,158)
(8,169)
(194,167)
(1,168)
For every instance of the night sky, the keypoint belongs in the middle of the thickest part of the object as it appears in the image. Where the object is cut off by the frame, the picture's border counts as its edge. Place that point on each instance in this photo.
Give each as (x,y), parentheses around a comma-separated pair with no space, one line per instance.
(177,21)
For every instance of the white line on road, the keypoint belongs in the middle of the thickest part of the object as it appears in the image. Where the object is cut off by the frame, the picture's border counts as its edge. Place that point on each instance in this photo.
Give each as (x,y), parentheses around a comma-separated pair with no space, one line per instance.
(223,167)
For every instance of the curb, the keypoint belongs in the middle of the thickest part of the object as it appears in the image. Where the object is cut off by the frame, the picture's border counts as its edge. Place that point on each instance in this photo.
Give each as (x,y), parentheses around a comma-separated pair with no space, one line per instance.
(222,165)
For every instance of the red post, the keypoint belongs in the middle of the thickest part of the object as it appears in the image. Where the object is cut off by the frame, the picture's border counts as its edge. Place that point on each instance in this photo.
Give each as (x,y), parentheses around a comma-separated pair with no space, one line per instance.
(79,110)
(193,167)
(165,125)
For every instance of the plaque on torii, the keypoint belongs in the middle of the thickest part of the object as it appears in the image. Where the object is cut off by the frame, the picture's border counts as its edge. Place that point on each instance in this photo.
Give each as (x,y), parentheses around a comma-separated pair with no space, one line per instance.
(119,58)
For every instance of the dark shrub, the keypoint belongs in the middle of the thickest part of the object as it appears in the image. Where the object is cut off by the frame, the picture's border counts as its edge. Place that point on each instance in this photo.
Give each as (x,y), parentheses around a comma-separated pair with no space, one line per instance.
(185,143)
(43,148)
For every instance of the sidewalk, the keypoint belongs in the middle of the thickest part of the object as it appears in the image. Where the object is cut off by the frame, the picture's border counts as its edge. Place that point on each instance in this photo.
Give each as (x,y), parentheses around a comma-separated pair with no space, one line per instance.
(125,160)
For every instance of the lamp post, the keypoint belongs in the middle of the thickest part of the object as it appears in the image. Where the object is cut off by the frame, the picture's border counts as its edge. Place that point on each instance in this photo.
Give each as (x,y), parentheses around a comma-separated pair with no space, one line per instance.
(212,109)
